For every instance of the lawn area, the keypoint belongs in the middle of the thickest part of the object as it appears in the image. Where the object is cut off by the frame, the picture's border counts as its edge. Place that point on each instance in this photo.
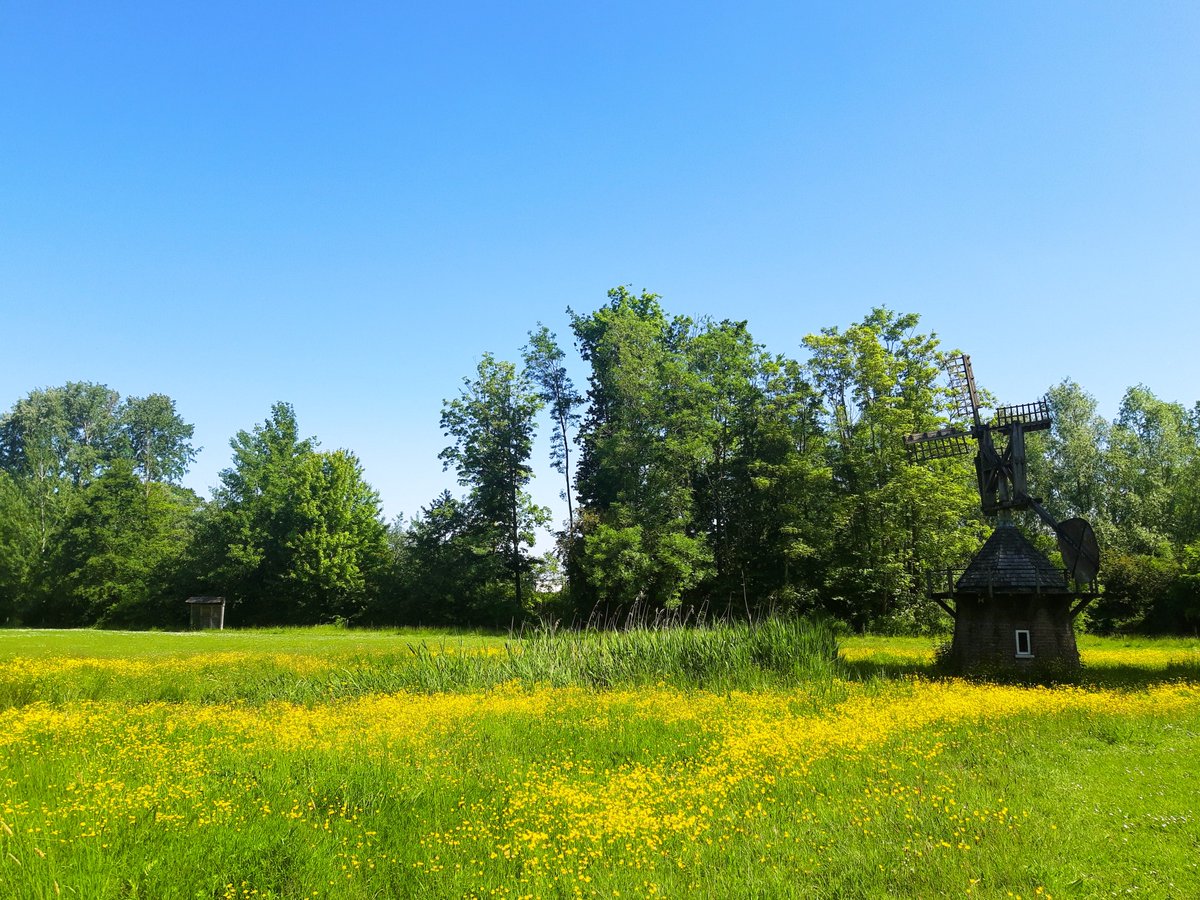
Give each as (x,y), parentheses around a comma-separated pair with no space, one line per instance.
(324,641)
(334,763)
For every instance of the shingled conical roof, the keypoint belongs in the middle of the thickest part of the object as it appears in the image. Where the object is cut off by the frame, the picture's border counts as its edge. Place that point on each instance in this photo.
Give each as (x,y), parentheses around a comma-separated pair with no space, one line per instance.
(1008,563)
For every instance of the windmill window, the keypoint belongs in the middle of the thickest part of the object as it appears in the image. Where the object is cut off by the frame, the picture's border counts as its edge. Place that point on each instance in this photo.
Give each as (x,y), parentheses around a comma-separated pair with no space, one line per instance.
(1023,646)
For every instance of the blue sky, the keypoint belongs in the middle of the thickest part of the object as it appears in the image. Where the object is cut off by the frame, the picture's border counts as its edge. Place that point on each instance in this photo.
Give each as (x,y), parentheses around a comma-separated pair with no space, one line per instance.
(344,205)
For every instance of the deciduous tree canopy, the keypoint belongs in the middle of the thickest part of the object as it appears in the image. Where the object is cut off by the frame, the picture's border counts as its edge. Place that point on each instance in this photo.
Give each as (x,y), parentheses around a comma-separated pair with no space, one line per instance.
(702,471)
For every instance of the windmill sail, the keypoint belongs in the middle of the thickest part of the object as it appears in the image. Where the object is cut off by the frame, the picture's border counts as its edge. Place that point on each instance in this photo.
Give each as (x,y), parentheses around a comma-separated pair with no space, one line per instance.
(962,386)
(1032,416)
(947,442)
(941,444)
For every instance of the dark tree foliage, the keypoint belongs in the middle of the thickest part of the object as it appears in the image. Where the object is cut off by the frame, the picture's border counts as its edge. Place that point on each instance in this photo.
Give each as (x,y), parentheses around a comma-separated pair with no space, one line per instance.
(19,548)
(763,487)
(449,573)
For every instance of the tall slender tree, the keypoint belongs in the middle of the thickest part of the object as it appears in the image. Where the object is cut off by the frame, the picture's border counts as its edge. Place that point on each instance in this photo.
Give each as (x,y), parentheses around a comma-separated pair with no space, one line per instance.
(18,547)
(492,423)
(544,366)
(641,442)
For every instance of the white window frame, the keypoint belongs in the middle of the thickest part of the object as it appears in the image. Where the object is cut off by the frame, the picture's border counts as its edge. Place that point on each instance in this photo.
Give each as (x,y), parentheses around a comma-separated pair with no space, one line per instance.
(1028,651)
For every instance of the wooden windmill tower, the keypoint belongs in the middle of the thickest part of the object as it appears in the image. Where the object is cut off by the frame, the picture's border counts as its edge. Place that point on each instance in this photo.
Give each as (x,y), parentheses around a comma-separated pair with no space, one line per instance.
(1011,606)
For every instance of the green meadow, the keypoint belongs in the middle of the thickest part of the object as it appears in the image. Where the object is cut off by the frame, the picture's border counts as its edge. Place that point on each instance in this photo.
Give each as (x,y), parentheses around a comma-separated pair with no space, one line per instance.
(772,760)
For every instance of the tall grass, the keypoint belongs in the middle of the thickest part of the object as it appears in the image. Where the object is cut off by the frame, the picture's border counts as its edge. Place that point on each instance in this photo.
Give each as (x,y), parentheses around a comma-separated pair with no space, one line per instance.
(721,655)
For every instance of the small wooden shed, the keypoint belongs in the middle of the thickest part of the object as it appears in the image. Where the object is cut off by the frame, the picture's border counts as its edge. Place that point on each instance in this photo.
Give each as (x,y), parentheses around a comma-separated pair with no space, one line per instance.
(207,612)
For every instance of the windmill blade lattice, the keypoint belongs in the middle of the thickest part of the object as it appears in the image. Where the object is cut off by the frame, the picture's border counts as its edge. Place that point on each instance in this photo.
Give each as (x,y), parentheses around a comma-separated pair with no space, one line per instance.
(941,444)
(962,386)
(1032,416)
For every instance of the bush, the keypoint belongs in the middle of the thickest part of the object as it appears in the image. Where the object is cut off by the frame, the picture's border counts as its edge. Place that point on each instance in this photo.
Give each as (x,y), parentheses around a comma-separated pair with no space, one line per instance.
(1144,593)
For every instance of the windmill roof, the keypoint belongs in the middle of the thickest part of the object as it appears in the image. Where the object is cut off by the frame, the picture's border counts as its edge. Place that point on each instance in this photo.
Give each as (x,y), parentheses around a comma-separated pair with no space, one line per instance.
(1009,562)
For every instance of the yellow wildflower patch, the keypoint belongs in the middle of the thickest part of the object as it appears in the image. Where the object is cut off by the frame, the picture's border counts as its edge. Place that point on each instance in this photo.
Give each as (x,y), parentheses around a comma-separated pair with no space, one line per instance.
(739,769)
(21,669)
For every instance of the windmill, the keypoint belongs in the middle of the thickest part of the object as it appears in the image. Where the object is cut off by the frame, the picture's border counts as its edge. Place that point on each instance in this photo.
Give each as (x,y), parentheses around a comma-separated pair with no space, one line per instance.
(1011,605)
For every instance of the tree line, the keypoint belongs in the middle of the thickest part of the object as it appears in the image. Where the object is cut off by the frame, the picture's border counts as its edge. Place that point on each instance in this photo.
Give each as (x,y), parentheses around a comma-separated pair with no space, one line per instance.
(701,472)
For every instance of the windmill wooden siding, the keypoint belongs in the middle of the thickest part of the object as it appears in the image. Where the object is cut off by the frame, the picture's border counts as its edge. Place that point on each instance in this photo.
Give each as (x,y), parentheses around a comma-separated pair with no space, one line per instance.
(985,632)
(1009,587)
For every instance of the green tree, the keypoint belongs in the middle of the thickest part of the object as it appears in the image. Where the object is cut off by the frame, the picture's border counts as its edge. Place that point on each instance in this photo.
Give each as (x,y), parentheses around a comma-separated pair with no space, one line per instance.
(296,535)
(640,443)
(544,366)
(723,361)
(156,438)
(1152,449)
(765,487)
(492,423)
(255,503)
(893,524)
(448,573)
(18,547)
(1138,588)
(702,471)
(115,561)
(337,543)
(759,482)
(1188,503)
(1147,526)
(54,442)
(1066,463)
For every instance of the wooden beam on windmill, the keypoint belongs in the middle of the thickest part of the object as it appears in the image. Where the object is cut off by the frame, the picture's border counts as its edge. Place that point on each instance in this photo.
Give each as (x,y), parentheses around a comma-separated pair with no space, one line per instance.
(1030,416)
(1008,469)
(962,387)
(941,444)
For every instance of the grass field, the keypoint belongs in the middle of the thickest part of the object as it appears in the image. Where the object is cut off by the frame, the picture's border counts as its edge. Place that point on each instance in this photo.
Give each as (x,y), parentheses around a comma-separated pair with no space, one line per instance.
(734,762)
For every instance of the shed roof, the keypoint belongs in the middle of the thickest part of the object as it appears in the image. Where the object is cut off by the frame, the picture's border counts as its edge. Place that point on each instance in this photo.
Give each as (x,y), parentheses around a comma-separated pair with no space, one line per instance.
(1008,562)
